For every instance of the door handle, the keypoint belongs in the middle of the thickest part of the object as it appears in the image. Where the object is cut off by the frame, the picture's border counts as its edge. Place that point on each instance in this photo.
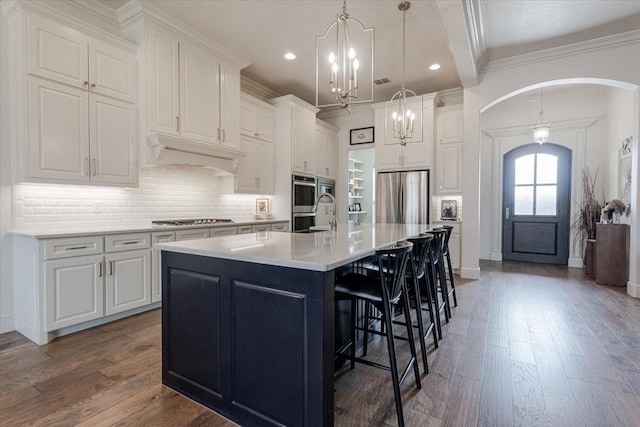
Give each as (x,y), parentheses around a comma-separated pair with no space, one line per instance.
(177,124)
(506,212)
(223,135)
(94,166)
(86,166)
(100,269)
(111,268)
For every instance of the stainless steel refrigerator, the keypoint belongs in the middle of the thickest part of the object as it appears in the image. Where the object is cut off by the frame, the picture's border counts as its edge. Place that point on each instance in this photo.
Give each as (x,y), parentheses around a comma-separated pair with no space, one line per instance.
(402,197)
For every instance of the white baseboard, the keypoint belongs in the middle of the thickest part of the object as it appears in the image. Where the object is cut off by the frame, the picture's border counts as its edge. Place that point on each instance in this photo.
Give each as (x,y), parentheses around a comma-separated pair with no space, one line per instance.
(576,263)
(470,273)
(7,323)
(485,255)
(633,289)
(496,256)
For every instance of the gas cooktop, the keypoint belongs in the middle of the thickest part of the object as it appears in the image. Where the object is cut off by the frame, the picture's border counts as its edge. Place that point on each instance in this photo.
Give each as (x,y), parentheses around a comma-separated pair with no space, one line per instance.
(191,221)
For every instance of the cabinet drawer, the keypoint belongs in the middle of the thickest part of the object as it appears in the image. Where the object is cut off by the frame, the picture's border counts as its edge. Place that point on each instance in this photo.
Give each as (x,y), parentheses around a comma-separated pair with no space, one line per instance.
(127,242)
(199,233)
(244,229)
(72,246)
(223,231)
(282,226)
(260,227)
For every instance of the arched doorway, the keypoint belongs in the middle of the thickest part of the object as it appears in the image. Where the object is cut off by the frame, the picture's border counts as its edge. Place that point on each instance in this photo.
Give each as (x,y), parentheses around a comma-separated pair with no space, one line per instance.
(536,204)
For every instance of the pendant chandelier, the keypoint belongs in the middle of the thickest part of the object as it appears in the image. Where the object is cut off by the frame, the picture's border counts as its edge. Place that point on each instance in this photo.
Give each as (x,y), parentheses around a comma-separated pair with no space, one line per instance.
(541,129)
(344,63)
(402,117)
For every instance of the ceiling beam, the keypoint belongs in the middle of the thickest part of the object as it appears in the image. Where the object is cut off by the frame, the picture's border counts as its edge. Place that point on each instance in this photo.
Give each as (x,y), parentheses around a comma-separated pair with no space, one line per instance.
(462,24)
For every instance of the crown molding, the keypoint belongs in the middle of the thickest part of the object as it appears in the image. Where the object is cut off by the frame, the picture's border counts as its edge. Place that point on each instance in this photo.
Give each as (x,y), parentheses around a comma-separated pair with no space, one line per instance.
(555,126)
(292,99)
(473,14)
(135,9)
(341,112)
(89,18)
(256,89)
(630,37)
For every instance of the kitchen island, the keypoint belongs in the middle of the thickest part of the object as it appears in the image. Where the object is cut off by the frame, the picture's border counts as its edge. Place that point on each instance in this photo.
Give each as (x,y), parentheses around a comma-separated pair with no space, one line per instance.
(248,320)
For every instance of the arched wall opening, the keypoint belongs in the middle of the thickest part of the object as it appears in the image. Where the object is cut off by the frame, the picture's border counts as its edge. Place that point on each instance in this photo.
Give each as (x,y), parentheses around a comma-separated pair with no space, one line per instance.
(591,117)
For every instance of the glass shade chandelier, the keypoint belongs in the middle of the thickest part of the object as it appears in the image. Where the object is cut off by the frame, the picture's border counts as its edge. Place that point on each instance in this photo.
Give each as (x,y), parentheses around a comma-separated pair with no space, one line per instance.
(402,117)
(344,63)
(542,126)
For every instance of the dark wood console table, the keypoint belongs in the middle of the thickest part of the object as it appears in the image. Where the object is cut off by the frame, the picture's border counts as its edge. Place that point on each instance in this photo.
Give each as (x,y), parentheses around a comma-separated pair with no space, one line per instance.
(612,254)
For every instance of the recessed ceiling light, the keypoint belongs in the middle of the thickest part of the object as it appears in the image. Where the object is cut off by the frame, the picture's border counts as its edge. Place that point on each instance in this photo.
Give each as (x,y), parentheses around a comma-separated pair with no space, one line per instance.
(290,56)
(434,67)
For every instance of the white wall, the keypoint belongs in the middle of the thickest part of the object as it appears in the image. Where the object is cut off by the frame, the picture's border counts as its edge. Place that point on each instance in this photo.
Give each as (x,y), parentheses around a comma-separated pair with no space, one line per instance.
(617,65)
(619,127)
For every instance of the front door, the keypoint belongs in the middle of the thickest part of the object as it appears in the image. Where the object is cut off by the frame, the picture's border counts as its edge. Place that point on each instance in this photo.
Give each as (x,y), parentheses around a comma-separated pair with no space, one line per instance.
(536,204)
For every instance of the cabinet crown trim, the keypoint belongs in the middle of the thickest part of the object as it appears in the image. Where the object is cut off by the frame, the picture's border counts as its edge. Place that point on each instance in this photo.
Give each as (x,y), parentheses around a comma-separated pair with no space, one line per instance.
(136,9)
(186,151)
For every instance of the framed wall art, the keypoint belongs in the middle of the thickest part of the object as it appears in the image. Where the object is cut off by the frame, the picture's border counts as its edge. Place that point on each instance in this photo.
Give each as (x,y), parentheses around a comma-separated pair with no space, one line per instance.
(361,136)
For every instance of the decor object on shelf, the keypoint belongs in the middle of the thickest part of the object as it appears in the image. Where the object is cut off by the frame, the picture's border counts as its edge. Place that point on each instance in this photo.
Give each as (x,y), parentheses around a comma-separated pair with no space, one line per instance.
(541,129)
(361,136)
(262,206)
(612,212)
(449,210)
(357,207)
(625,171)
(349,71)
(403,118)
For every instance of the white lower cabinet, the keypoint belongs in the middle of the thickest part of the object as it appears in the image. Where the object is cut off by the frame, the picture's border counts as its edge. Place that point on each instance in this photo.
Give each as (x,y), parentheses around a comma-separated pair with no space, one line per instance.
(128,280)
(280,226)
(454,250)
(223,231)
(197,233)
(156,267)
(74,291)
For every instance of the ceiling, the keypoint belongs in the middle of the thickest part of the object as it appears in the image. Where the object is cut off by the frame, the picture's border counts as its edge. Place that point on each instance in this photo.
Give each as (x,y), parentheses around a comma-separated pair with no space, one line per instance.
(436,32)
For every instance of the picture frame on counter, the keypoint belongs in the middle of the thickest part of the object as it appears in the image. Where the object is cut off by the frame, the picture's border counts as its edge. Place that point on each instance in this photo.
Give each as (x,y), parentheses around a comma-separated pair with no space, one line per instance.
(262,206)
(361,136)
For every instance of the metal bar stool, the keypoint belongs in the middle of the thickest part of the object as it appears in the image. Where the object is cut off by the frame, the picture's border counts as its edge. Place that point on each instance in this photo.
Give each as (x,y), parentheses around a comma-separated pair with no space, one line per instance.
(445,253)
(438,279)
(384,289)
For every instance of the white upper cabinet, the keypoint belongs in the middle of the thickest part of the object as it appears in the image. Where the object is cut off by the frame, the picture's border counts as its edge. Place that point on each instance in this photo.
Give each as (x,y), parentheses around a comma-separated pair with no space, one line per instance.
(449,149)
(163,81)
(326,146)
(80,107)
(192,93)
(303,132)
(417,152)
(62,54)
(256,118)
(200,92)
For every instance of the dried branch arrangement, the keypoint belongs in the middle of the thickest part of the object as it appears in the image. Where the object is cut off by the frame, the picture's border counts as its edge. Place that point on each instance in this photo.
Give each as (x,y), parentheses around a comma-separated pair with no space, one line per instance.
(589,209)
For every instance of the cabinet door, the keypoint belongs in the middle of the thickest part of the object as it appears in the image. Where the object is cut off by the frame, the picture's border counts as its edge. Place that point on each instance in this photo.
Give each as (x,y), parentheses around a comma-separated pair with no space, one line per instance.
(418,154)
(388,156)
(156,267)
(163,82)
(57,52)
(454,250)
(450,168)
(309,141)
(113,140)
(332,155)
(260,227)
(244,229)
(58,131)
(247,179)
(199,94)
(229,106)
(265,167)
(320,156)
(248,118)
(298,160)
(449,126)
(112,71)
(128,280)
(280,226)
(265,124)
(73,291)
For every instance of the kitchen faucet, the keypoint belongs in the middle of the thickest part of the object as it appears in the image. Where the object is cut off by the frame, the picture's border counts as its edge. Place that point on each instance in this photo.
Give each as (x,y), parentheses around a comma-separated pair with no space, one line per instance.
(333,222)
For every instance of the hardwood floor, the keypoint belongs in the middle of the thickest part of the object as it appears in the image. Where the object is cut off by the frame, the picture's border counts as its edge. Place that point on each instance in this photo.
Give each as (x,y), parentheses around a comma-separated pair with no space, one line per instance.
(528,345)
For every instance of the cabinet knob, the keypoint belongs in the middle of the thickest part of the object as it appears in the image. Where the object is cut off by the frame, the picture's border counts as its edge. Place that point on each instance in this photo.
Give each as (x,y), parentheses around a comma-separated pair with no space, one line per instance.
(256,134)
(93,85)
(86,83)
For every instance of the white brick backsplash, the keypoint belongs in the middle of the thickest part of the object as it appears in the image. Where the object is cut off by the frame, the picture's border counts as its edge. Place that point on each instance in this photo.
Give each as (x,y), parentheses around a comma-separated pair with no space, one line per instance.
(165,192)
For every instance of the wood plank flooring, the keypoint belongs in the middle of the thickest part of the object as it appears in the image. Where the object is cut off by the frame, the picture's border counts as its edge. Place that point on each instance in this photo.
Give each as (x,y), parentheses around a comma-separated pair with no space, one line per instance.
(529,345)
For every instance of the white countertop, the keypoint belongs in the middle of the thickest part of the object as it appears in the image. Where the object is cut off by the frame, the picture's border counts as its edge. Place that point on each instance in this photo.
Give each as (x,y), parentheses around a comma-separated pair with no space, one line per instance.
(142,228)
(322,251)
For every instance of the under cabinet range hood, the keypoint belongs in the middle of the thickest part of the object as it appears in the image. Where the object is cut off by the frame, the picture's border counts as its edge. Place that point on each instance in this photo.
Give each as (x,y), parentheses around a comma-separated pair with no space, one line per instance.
(171,150)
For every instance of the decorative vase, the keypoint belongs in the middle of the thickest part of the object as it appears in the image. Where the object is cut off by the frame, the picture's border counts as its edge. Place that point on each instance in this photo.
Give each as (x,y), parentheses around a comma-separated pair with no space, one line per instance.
(590,258)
